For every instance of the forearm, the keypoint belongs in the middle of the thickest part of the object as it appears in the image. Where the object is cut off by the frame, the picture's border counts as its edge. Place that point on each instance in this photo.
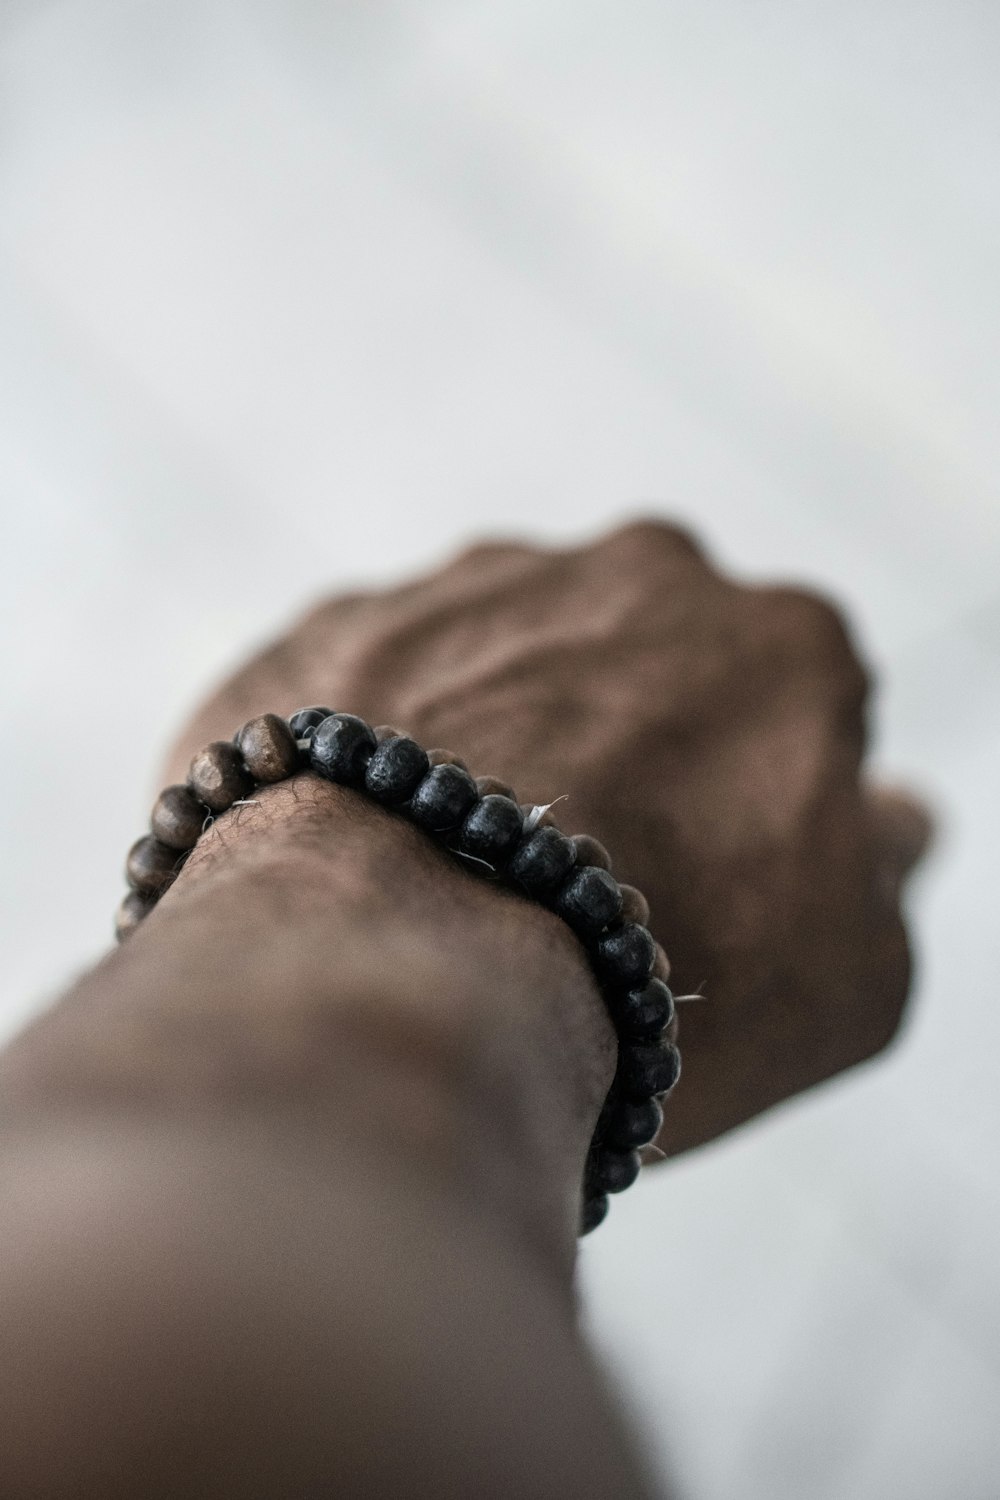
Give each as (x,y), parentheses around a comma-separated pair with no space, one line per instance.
(318,1130)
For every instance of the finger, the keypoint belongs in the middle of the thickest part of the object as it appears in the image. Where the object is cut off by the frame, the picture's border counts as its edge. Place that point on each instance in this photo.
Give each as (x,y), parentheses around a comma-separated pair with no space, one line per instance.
(903,830)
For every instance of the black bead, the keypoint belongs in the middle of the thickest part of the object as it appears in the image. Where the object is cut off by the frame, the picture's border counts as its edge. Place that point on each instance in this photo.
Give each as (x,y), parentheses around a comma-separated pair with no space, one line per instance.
(633,1123)
(492,830)
(611,1171)
(304,721)
(396,770)
(604,1119)
(643,1012)
(588,900)
(542,862)
(647,1068)
(594,1212)
(442,798)
(341,747)
(625,955)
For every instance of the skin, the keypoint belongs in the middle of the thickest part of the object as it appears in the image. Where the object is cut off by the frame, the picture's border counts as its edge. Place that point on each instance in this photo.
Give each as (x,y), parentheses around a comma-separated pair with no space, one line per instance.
(291,1179)
(712,735)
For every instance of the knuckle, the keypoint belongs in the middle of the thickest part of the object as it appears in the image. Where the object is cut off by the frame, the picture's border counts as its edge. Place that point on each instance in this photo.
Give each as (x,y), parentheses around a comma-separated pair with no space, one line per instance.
(491,549)
(656,537)
(814,618)
(822,636)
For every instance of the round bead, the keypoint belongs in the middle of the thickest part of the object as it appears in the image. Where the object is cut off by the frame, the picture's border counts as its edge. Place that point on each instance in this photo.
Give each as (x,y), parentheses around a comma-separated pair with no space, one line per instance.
(177,818)
(648,1068)
(645,1011)
(218,776)
(611,1171)
(387,732)
(304,720)
(594,1212)
(341,747)
(633,1123)
(151,866)
(396,769)
(661,965)
(441,757)
(635,907)
(268,748)
(625,955)
(542,862)
(492,786)
(130,913)
(590,852)
(442,799)
(492,830)
(588,900)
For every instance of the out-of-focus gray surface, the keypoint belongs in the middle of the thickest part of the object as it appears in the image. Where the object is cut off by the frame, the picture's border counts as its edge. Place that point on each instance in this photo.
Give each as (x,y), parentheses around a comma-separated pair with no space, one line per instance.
(295,295)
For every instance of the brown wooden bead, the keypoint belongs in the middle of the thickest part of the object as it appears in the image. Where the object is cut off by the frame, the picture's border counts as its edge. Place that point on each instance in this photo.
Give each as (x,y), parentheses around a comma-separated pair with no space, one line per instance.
(151,866)
(269,750)
(446,758)
(178,818)
(661,965)
(492,786)
(388,732)
(590,852)
(218,776)
(635,907)
(130,913)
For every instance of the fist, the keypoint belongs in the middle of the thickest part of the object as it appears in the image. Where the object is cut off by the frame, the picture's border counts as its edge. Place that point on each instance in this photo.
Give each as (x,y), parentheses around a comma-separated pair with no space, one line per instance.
(710,734)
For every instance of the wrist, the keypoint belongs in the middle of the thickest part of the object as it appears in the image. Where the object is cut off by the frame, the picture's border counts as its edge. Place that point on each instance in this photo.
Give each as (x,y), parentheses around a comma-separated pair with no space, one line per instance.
(319,952)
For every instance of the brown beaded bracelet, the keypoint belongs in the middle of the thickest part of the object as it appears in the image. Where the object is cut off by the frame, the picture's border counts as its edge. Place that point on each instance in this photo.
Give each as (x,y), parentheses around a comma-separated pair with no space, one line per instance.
(482,823)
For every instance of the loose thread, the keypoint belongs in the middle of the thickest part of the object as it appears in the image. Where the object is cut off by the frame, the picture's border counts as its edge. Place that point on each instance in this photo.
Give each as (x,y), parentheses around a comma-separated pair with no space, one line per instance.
(538,811)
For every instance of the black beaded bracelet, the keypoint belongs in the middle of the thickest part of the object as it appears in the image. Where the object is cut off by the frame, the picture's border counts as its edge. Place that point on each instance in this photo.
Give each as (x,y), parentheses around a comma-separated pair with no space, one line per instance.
(482,823)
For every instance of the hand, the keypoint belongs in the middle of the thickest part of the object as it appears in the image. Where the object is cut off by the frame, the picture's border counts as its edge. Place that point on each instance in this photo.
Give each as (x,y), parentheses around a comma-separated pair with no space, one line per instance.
(710,734)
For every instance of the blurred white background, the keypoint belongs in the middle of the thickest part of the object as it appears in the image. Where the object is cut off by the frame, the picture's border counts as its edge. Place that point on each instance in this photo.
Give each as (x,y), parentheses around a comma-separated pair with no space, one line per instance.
(298,294)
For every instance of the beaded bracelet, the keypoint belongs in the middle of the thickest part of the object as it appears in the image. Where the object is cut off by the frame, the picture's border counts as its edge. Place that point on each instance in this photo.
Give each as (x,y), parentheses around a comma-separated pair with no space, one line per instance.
(482,823)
